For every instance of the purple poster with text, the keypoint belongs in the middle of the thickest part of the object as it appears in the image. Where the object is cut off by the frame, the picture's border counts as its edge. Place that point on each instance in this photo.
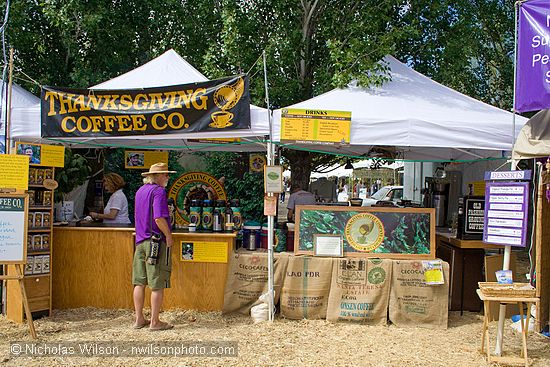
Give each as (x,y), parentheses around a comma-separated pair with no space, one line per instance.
(533,58)
(506,207)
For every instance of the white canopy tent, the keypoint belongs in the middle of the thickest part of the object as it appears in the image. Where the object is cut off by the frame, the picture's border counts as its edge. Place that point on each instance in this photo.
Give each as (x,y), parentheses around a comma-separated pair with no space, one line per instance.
(166,70)
(25,113)
(534,138)
(421,118)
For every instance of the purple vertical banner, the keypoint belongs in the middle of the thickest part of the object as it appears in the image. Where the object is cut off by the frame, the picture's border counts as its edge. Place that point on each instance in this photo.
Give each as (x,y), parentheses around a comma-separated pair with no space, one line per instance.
(506,207)
(533,57)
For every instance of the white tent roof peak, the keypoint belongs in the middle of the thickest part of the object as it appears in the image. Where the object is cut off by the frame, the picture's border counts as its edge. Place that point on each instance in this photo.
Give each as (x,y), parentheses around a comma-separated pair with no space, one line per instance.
(167,69)
(423,119)
(402,75)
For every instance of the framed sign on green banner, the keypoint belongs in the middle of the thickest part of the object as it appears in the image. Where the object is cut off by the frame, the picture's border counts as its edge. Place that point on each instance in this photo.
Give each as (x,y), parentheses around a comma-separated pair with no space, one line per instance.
(396,233)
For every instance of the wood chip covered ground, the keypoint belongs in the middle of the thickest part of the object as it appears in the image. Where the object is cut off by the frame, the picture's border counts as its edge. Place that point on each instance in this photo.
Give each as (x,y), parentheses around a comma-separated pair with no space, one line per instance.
(281,343)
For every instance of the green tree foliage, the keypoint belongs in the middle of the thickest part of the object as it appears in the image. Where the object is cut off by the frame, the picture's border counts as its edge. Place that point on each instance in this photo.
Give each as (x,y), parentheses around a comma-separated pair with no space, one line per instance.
(463,44)
(115,162)
(312,46)
(75,172)
(239,183)
(79,43)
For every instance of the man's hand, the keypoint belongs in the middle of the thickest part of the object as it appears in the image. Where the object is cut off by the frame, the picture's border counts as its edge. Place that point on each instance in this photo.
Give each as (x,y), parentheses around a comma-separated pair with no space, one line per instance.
(169,241)
(290,215)
(165,229)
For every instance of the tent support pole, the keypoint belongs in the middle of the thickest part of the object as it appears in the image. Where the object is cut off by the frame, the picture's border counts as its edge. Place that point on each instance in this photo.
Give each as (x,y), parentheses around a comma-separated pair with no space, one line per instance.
(270,218)
(508,249)
(467,152)
(8,148)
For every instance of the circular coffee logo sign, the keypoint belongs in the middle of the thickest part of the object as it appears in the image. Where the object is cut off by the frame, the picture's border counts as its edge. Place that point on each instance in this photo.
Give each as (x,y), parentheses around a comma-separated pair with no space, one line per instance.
(364,232)
(194,185)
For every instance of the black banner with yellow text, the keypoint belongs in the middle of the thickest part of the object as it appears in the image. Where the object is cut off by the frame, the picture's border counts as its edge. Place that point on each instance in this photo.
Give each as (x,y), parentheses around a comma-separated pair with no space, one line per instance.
(216,105)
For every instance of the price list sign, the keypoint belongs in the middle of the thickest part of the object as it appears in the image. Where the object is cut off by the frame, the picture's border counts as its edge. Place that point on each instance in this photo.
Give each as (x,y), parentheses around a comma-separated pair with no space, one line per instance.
(13,231)
(506,206)
(315,126)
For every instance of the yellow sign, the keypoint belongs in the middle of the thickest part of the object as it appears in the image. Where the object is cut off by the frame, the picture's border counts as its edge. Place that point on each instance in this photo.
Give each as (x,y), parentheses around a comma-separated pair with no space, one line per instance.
(364,232)
(433,272)
(143,159)
(203,251)
(216,140)
(15,172)
(476,188)
(53,155)
(42,154)
(310,126)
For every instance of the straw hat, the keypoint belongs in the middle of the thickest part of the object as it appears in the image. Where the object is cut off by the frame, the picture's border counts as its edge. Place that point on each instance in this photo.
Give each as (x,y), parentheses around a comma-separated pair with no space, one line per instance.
(157,168)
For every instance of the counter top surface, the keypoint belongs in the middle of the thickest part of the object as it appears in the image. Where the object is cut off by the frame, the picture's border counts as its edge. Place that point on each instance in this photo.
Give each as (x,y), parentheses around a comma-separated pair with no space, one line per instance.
(465,244)
(95,226)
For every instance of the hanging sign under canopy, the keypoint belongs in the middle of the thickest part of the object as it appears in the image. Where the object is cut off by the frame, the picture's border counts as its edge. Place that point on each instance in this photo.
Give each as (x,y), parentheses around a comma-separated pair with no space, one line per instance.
(216,105)
(315,126)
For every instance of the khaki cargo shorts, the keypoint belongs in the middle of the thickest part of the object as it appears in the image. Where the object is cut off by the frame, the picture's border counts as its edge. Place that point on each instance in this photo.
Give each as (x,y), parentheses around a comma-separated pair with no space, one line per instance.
(156,276)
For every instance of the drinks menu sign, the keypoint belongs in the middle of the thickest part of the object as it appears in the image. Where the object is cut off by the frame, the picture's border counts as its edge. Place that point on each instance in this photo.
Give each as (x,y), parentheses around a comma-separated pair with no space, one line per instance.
(506,206)
(315,126)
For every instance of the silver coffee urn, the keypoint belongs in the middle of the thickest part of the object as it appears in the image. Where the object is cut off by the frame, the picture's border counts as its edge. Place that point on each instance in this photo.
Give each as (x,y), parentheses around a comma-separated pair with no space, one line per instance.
(439,201)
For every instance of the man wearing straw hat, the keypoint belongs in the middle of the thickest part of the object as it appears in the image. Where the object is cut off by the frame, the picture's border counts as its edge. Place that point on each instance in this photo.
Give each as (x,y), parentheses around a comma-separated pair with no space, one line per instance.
(152,218)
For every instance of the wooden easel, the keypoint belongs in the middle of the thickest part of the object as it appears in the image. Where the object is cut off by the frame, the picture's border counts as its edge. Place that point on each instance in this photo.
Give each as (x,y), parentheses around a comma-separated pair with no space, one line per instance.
(28,313)
(18,264)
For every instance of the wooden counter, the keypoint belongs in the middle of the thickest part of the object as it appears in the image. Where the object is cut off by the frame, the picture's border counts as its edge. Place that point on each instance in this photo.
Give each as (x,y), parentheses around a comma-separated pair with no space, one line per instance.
(92,267)
(465,244)
(465,258)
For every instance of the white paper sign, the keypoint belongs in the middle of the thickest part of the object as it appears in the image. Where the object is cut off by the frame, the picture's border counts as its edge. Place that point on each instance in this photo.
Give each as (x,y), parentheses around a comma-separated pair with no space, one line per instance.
(12,229)
(328,245)
(273,179)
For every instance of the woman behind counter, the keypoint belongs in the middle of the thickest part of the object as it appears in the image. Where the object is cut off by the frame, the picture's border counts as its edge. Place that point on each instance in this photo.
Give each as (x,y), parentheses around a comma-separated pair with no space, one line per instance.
(116,210)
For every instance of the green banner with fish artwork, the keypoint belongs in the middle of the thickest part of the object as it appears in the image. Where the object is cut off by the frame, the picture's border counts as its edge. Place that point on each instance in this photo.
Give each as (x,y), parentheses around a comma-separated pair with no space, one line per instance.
(214,105)
(397,233)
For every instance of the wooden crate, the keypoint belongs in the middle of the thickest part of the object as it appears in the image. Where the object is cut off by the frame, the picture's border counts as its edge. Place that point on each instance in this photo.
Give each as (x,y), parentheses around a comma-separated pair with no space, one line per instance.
(493,289)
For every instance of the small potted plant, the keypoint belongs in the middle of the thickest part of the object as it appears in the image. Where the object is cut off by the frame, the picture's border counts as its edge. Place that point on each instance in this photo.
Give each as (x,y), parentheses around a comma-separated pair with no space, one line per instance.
(75,172)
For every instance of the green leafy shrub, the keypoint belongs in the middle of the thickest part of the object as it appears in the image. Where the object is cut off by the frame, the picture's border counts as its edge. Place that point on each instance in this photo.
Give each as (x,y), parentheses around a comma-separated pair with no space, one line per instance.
(75,172)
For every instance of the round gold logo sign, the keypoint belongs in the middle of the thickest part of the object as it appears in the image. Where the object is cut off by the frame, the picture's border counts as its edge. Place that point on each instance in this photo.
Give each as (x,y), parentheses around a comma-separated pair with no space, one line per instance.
(364,232)
(194,185)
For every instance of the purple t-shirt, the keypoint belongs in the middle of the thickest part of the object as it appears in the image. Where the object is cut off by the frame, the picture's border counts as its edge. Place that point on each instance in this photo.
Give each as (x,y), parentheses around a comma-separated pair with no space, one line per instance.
(143,210)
